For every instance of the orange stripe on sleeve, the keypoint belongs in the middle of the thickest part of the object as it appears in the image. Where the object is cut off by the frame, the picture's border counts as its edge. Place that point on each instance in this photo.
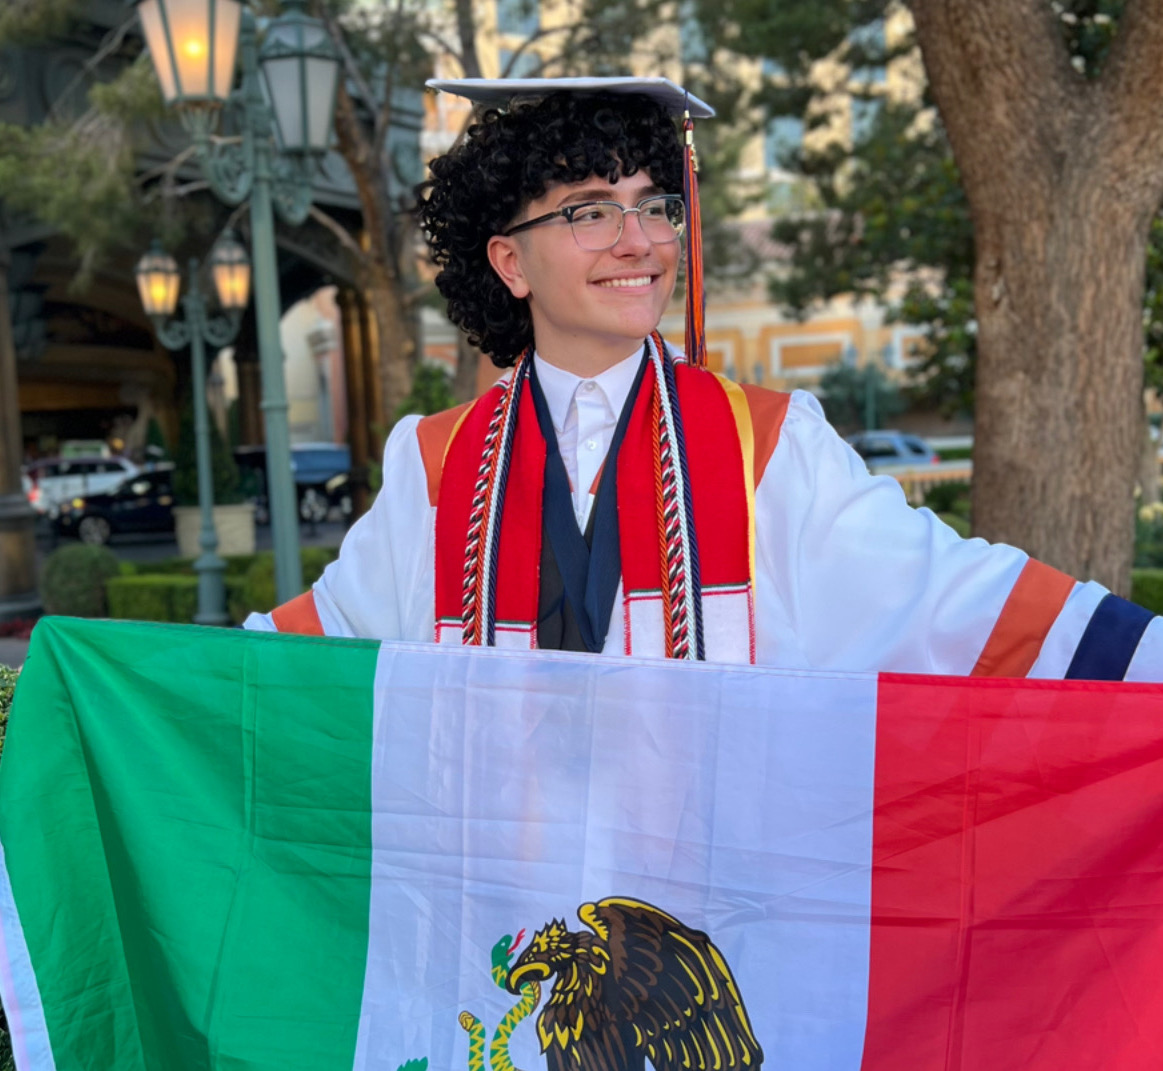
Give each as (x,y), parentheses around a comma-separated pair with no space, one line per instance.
(434,433)
(1032,607)
(298,616)
(768,408)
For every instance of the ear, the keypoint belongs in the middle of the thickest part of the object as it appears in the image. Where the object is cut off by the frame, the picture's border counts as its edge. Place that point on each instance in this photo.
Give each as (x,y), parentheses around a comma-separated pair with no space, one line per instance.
(505,257)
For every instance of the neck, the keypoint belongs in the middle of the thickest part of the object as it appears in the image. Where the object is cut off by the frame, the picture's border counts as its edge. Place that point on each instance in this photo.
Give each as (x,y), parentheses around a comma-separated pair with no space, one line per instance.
(590,361)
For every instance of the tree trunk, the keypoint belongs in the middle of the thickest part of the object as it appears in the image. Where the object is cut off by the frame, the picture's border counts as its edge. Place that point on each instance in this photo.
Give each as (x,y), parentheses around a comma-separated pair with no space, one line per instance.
(396,337)
(1062,176)
(387,265)
(468,359)
(1059,383)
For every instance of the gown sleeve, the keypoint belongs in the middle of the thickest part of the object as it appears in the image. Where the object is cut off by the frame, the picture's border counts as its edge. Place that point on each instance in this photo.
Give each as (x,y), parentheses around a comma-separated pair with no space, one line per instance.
(867,582)
(369,590)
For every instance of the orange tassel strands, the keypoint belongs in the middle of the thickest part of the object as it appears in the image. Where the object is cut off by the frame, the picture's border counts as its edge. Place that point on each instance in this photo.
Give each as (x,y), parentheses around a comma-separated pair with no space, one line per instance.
(696,301)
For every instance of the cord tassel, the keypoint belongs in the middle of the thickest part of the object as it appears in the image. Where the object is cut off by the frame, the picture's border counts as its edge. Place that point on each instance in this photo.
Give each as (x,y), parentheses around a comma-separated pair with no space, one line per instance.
(696,301)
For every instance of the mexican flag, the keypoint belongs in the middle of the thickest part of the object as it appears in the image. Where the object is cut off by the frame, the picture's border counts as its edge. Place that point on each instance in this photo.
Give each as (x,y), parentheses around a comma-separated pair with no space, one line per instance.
(238,851)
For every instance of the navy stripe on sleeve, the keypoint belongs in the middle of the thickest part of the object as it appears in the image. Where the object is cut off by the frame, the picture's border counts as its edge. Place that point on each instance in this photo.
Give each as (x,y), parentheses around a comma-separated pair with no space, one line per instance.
(1109,642)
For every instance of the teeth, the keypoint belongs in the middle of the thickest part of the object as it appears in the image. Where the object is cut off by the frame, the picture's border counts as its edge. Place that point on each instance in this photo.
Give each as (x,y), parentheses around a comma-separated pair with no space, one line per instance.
(643,280)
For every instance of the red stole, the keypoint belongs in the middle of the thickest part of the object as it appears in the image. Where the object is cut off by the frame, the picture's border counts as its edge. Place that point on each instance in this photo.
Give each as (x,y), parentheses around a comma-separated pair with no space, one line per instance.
(718,443)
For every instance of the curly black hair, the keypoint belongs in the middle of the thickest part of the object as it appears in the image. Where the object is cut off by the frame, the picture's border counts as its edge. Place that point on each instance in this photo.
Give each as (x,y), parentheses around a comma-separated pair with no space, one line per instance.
(508,159)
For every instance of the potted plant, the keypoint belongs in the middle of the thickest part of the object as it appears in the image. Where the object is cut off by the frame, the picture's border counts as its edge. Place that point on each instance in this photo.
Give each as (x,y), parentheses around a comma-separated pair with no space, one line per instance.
(233,515)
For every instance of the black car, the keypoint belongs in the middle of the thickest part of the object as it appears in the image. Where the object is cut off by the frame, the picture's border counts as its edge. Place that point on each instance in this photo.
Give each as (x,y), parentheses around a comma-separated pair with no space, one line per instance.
(142,503)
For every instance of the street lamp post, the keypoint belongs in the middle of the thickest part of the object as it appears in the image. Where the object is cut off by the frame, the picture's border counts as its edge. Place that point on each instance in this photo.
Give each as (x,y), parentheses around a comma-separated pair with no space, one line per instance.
(158,283)
(192,44)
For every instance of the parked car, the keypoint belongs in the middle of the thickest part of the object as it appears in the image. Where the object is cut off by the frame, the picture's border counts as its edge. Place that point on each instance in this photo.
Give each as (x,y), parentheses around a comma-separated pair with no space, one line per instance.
(53,480)
(142,503)
(322,474)
(883,450)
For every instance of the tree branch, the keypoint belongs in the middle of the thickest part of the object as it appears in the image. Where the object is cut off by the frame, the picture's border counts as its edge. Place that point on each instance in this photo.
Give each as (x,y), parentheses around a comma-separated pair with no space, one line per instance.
(110,43)
(341,234)
(1003,66)
(1132,86)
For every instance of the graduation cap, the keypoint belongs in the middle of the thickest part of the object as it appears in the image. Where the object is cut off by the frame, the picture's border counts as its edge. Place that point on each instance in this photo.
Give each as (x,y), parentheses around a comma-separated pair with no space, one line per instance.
(500,92)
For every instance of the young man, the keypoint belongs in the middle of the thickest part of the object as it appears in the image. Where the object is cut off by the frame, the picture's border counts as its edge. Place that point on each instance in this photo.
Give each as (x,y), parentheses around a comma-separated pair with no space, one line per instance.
(608,496)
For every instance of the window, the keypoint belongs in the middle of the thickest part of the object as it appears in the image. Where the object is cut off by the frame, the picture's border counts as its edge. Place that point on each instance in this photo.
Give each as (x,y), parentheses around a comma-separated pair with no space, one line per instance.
(528,64)
(865,112)
(519,17)
(784,137)
(915,446)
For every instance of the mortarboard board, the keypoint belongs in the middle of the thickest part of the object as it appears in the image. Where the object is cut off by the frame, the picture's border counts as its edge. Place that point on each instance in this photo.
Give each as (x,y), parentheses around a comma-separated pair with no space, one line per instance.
(500,92)
(497,92)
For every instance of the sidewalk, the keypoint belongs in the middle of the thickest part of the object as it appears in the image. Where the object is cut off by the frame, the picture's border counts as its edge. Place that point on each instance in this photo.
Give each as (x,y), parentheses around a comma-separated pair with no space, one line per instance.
(12,652)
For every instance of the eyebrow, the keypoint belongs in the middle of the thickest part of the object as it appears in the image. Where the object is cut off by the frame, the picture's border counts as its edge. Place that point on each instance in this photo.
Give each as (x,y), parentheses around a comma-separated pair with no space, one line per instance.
(604,193)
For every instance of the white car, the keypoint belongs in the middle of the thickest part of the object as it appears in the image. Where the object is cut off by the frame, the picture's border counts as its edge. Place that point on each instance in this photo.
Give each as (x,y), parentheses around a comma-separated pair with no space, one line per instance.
(53,480)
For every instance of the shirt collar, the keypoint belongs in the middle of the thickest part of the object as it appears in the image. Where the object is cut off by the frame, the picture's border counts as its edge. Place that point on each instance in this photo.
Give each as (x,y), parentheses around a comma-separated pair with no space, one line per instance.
(560,386)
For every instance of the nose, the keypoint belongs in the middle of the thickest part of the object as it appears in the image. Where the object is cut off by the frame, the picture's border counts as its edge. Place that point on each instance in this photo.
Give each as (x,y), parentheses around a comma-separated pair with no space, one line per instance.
(633,240)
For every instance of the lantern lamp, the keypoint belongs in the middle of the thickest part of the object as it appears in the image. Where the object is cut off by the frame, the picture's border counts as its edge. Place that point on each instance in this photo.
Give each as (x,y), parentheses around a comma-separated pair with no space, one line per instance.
(300,74)
(230,267)
(157,281)
(192,44)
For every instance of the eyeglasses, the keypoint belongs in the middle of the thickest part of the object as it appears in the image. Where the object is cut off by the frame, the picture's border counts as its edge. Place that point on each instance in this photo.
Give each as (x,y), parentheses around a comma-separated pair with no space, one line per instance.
(598,225)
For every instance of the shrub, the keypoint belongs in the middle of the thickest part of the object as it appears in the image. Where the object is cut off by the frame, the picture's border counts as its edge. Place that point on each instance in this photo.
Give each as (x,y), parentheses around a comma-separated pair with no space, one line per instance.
(1147,589)
(258,592)
(227,488)
(958,523)
(169,597)
(951,497)
(73,580)
(8,677)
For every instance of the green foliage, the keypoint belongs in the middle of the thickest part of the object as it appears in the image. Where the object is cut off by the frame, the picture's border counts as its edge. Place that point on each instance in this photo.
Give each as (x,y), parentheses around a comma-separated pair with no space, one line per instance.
(73,580)
(227,483)
(168,590)
(958,523)
(848,394)
(1149,536)
(8,677)
(258,590)
(153,597)
(25,21)
(1147,589)
(431,392)
(951,497)
(78,174)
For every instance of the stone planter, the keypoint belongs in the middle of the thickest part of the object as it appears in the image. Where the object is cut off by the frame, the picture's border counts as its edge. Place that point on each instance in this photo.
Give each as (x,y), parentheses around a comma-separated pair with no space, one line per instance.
(234,525)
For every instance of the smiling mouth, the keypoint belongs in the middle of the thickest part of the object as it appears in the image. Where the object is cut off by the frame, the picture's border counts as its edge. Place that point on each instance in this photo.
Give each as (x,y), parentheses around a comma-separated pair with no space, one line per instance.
(627,284)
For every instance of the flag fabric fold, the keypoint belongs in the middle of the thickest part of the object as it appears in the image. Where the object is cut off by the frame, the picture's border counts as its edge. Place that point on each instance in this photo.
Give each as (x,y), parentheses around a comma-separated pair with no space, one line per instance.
(241,851)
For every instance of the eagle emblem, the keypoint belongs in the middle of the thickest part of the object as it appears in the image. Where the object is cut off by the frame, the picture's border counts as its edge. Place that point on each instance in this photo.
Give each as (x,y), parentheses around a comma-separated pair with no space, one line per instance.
(642,985)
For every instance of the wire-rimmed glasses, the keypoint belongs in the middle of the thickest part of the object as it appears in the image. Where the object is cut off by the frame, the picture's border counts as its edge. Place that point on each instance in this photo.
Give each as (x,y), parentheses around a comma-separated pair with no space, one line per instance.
(598,225)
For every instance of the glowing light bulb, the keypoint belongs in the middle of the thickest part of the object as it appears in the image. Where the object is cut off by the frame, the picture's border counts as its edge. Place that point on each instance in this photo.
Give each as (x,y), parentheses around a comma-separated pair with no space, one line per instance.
(195,48)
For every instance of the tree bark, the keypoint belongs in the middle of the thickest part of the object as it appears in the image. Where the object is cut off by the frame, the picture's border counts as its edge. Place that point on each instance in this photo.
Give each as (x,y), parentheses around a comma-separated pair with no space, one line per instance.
(1062,176)
(388,248)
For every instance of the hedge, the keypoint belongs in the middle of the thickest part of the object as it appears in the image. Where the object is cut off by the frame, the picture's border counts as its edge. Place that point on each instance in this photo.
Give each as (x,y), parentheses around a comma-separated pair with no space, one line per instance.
(1147,589)
(168,590)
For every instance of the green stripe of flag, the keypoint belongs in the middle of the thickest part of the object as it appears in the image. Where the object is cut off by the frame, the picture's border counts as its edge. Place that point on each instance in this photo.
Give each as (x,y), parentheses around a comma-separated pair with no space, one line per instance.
(207,826)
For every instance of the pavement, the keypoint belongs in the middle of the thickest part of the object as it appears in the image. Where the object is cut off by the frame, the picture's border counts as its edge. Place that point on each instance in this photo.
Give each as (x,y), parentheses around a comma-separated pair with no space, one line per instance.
(12,652)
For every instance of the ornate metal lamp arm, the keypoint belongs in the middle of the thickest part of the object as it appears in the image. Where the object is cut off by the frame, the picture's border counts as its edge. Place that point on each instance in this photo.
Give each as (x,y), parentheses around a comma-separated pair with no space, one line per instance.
(292,190)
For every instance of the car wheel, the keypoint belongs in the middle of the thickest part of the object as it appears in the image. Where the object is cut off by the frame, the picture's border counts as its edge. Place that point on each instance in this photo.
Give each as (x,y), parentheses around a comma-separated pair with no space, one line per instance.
(313,506)
(94,530)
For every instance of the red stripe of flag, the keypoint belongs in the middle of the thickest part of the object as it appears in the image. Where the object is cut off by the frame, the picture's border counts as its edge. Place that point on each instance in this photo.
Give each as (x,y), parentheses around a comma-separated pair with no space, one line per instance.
(1017,890)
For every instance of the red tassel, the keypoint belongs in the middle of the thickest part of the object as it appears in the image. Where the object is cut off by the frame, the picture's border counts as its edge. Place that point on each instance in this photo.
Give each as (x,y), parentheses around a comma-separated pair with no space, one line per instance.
(696,301)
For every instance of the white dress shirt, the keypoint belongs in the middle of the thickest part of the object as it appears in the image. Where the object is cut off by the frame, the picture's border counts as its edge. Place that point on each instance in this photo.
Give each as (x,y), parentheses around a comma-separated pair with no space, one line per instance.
(585,415)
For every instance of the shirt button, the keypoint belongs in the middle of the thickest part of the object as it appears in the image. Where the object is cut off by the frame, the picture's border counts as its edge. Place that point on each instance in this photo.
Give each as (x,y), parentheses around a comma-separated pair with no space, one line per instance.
(588,386)
(591,444)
